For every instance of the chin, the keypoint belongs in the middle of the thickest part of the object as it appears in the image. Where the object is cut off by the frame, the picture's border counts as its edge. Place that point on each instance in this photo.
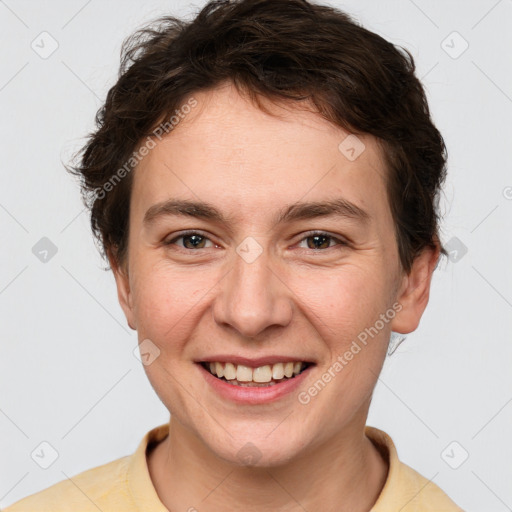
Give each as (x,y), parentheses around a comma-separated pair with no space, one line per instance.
(258,451)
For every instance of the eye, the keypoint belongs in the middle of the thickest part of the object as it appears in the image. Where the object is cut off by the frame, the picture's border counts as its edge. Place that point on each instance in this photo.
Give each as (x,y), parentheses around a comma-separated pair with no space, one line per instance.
(191,240)
(317,240)
(321,240)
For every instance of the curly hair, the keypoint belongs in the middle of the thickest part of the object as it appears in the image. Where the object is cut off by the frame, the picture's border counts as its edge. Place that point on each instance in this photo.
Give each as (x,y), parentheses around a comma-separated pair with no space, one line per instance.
(285,50)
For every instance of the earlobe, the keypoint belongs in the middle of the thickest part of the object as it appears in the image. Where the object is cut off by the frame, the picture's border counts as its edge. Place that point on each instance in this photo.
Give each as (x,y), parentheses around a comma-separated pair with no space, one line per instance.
(415,290)
(124,294)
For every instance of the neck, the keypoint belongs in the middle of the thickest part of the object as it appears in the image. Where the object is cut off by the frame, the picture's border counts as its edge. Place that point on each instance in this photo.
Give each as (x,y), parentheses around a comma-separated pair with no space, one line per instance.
(346,474)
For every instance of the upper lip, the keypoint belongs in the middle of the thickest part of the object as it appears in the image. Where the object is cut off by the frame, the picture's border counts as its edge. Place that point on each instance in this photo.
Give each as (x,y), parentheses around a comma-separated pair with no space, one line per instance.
(255,362)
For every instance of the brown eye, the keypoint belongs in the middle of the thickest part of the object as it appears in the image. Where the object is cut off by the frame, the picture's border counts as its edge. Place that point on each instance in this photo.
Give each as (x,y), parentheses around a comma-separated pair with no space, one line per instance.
(316,241)
(191,240)
(195,241)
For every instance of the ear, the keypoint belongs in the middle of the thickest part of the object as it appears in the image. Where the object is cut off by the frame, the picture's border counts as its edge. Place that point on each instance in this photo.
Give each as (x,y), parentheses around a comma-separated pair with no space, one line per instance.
(414,291)
(124,294)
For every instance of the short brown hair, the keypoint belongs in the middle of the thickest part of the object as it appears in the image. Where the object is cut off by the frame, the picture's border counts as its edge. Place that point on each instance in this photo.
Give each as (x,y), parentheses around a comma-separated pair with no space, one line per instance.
(284,50)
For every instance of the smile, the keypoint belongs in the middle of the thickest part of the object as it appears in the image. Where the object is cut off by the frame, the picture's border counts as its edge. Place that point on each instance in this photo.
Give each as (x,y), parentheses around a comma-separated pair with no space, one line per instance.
(245,385)
(266,375)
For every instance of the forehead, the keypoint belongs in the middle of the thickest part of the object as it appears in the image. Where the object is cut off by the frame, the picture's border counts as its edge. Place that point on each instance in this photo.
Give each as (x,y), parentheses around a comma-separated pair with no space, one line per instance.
(228,152)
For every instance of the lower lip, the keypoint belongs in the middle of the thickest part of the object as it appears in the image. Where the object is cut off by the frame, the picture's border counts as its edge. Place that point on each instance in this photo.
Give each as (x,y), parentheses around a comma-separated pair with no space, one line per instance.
(253,395)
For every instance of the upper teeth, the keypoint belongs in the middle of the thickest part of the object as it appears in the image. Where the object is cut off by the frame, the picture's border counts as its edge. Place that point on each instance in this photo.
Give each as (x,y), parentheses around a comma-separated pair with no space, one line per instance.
(261,374)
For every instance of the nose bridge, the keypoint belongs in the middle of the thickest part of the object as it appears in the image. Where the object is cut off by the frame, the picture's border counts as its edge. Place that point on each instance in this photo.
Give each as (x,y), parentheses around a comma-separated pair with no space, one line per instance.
(253,297)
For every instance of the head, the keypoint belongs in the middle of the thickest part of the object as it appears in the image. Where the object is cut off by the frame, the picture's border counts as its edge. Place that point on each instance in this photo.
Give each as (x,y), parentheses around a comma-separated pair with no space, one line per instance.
(264,180)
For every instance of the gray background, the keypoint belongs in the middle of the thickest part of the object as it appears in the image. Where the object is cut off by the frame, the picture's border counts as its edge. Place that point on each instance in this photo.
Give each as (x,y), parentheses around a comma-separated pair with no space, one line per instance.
(68,375)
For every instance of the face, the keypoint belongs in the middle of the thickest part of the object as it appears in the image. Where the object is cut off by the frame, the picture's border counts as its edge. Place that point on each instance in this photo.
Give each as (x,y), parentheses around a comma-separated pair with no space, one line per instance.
(259,274)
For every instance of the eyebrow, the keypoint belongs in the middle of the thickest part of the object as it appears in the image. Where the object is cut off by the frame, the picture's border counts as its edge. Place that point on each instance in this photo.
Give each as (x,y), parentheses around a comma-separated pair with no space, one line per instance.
(297,211)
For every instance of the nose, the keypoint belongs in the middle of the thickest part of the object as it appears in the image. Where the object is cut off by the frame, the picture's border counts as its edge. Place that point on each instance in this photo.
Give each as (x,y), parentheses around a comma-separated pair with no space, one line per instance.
(253,297)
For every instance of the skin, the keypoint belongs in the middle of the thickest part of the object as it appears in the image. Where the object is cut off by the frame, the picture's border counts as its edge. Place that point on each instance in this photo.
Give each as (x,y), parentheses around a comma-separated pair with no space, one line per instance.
(293,299)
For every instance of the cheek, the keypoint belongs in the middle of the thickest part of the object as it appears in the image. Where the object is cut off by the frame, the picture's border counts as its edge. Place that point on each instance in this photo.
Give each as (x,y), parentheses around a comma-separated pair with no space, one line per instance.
(345,310)
(339,303)
(344,302)
(166,303)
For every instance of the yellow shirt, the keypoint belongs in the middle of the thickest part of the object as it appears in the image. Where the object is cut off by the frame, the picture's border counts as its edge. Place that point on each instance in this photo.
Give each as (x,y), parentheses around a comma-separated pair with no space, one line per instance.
(124,485)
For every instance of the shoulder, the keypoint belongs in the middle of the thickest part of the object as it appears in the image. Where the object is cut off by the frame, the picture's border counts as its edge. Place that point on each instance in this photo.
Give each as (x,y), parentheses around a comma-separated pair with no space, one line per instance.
(103,487)
(424,495)
(405,489)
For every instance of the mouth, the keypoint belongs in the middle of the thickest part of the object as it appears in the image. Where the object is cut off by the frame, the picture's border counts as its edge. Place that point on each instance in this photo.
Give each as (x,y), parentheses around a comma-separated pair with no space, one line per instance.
(263,376)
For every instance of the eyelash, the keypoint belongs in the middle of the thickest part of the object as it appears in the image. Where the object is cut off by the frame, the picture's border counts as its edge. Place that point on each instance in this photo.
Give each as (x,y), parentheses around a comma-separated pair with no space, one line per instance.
(310,234)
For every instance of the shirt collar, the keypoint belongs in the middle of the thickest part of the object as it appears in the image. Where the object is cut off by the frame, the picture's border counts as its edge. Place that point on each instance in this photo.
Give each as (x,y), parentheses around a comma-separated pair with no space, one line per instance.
(138,478)
(146,498)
